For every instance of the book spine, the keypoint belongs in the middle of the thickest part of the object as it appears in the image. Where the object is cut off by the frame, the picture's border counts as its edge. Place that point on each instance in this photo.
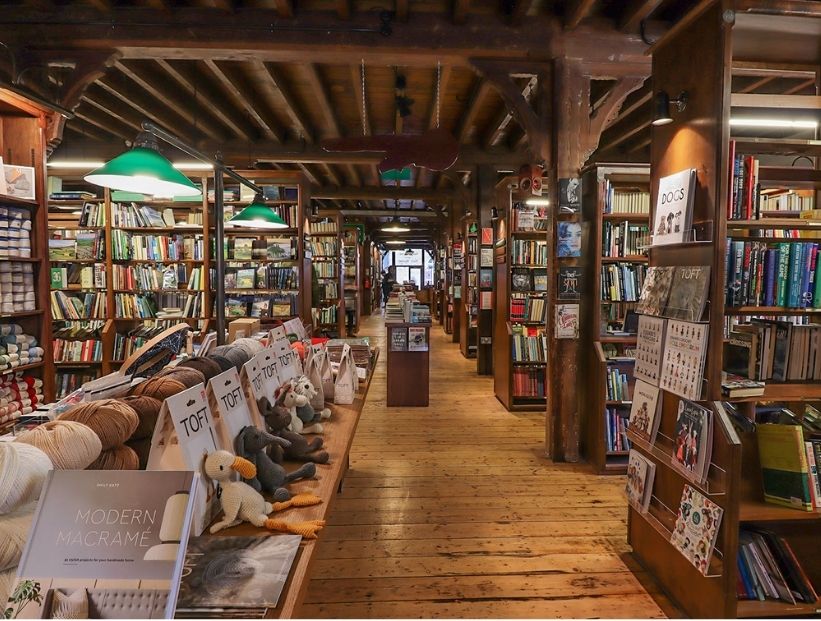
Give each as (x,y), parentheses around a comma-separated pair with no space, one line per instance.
(795,275)
(769,288)
(783,273)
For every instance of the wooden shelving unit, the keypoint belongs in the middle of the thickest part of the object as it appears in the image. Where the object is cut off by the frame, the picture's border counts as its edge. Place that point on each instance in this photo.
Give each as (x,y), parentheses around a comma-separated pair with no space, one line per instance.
(699,138)
(321,286)
(607,190)
(505,369)
(469,322)
(352,259)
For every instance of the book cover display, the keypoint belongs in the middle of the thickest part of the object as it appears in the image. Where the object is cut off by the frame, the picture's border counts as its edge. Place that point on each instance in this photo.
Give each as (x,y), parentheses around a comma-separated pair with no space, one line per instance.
(693,441)
(568,239)
(399,339)
(570,195)
(640,475)
(674,208)
(682,369)
(417,341)
(688,293)
(567,321)
(570,283)
(644,411)
(649,349)
(696,528)
(655,291)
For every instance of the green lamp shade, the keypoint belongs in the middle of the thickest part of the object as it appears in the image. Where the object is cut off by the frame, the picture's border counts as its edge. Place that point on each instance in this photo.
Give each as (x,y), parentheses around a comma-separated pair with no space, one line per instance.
(259,216)
(145,171)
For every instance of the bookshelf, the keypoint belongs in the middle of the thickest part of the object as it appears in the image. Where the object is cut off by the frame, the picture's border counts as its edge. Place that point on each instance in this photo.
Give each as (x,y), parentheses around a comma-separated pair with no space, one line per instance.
(469,323)
(327,281)
(24,255)
(700,137)
(352,261)
(521,265)
(438,308)
(607,281)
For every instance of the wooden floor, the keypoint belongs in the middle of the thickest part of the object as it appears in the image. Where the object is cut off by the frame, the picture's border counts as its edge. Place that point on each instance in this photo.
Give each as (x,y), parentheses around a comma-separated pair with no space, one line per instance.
(451,511)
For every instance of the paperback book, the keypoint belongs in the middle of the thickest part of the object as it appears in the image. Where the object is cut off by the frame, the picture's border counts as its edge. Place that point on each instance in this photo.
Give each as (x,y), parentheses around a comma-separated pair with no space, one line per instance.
(640,475)
(674,208)
(568,239)
(692,441)
(688,293)
(696,528)
(570,282)
(567,321)
(644,411)
(655,291)
(682,369)
(649,348)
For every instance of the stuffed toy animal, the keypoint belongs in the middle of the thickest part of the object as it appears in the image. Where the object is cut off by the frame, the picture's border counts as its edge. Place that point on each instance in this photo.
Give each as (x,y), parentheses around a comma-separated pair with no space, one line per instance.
(307,414)
(278,420)
(242,503)
(270,477)
(287,398)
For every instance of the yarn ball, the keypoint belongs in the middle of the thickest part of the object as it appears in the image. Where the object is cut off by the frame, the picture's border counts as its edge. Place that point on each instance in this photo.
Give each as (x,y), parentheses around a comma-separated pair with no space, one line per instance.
(299,348)
(208,367)
(142,447)
(238,357)
(224,363)
(118,458)
(220,350)
(158,387)
(112,420)
(23,470)
(188,376)
(69,445)
(148,410)
(251,346)
(14,530)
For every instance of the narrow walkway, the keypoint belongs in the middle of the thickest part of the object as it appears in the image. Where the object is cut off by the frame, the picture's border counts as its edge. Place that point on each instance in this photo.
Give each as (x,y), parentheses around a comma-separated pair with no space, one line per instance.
(451,511)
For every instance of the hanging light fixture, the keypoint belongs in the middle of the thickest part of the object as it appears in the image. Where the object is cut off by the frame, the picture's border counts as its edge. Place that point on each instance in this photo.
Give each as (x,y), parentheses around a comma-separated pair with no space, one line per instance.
(661,110)
(395,242)
(395,226)
(258,215)
(144,170)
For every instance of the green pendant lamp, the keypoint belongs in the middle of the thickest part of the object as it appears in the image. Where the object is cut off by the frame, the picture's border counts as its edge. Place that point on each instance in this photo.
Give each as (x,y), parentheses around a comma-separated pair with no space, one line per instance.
(259,216)
(145,171)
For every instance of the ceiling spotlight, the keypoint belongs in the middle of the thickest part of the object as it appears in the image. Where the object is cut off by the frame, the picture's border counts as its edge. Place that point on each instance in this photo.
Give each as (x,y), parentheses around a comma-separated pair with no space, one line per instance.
(315,210)
(494,213)
(661,111)
(395,227)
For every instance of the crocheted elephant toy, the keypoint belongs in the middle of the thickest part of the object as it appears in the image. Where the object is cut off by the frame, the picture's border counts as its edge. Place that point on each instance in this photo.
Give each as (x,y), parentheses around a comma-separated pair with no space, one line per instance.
(270,477)
(290,400)
(307,414)
(278,420)
(242,503)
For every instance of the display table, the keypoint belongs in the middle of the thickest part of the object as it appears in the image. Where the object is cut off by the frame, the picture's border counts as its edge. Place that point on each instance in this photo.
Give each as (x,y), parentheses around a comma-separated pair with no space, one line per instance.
(408,363)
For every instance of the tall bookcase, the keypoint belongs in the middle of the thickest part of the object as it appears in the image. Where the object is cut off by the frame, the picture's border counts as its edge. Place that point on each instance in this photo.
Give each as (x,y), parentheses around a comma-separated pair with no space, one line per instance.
(325,249)
(469,328)
(22,143)
(374,295)
(699,137)
(352,257)
(521,261)
(615,206)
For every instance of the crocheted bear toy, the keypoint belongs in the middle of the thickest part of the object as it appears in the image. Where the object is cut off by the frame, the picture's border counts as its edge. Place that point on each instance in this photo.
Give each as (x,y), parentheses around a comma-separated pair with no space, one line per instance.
(271,477)
(242,503)
(307,414)
(290,400)
(278,420)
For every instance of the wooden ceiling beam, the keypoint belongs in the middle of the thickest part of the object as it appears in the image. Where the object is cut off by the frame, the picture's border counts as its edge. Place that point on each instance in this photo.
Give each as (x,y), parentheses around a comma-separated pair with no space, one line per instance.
(222,5)
(795,90)
(126,133)
(756,84)
(344,9)
(353,174)
(284,8)
(83,128)
(159,5)
(461,9)
(112,108)
(184,75)
(309,174)
(402,10)
(323,99)
(576,11)
(497,129)
(520,11)
(244,98)
(100,5)
(624,132)
(332,174)
(292,106)
(388,193)
(477,96)
(636,12)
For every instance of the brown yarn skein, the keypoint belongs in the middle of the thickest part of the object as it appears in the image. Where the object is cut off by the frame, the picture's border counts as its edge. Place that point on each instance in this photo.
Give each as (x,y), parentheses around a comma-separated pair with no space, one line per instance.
(118,458)
(143,448)
(113,421)
(148,410)
(69,445)
(158,387)
(188,376)
(208,367)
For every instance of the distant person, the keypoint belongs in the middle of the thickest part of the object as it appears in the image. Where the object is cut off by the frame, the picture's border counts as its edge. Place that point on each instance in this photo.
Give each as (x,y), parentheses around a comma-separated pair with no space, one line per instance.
(387,287)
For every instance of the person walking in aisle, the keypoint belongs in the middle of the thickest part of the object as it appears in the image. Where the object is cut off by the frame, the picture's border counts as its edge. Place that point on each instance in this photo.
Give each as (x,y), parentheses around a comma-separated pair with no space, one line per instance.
(387,287)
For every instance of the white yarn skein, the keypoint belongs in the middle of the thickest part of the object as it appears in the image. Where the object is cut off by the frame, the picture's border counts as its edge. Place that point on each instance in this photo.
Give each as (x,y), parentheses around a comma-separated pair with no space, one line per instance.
(23,469)
(14,531)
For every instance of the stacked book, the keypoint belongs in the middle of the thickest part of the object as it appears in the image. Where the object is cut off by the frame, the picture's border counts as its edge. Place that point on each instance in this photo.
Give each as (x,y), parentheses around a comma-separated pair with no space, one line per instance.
(84,306)
(625,200)
(616,430)
(529,383)
(622,282)
(769,569)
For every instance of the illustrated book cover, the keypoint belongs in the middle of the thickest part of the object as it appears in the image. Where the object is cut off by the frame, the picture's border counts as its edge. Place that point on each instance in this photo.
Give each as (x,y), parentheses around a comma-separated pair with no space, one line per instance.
(696,528)
(570,195)
(567,321)
(682,368)
(644,411)
(568,239)
(570,283)
(674,208)
(416,339)
(688,293)
(655,291)
(649,348)
(640,475)
(692,441)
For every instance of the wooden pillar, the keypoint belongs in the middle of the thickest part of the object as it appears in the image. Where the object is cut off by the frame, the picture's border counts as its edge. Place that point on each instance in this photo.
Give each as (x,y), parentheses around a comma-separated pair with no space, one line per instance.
(484,181)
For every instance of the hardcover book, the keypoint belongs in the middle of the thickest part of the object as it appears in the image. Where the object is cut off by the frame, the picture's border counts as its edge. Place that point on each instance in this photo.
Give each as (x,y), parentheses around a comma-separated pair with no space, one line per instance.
(674,208)
(784,470)
(521,279)
(485,278)
(570,195)
(568,239)
(649,343)
(540,279)
(688,293)
(399,339)
(570,283)
(236,572)
(693,441)
(696,528)
(567,321)
(655,291)
(243,249)
(640,475)
(682,368)
(644,418)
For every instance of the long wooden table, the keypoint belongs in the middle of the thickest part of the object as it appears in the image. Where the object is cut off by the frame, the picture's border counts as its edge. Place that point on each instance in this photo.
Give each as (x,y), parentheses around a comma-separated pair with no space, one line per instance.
(338,435)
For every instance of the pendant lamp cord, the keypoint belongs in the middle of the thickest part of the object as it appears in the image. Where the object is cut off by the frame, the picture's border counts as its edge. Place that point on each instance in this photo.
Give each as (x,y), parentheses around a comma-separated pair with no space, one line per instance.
(364,106)
(438,86)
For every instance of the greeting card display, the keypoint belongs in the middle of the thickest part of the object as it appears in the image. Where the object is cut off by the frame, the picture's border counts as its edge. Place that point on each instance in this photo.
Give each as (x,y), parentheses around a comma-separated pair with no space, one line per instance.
(649,349)
(229,406)
(640,475)
(644,411)
(696,528)
(682,370)
(692,441)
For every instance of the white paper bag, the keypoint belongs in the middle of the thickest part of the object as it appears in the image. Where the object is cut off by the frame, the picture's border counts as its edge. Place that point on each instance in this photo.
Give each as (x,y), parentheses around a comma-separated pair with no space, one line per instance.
(229,407)
(314,375)
(325,372)
(346,381)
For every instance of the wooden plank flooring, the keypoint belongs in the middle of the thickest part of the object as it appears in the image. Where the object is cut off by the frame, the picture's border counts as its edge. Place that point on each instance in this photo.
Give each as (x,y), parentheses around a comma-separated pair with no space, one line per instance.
(452,511)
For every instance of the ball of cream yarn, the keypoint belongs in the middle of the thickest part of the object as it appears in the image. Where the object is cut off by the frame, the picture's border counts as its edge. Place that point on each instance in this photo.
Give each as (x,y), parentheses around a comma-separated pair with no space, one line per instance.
(23,469)
(113,421)
(117,458)
(70,445)
(8,580)
(14,530)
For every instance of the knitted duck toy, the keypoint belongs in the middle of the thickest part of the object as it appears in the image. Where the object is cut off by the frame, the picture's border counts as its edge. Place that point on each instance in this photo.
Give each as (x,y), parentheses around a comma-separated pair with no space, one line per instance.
(242,503)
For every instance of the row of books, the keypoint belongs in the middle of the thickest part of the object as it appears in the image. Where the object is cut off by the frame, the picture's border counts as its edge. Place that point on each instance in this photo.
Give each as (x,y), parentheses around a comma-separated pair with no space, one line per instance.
(528,308)
(328,290)
(324,247)
(789,456)
(246,249)
(262,277)
(325,315)
(622,282)
(528,252)
(618,384)
(90,350)
(156,247)
(281,305)
(623,239)
(132,215)
(529,218)
(131,305)
(323,227)
(77,245)
(529,348)
(767,349)
(525,279)
(83,306)
(69,381)
(126,344)
(78,276)
(783,274)
(325,270)
(615,430)
(92,214)
(151,277)
(622,200)
(769,569)
(529,383)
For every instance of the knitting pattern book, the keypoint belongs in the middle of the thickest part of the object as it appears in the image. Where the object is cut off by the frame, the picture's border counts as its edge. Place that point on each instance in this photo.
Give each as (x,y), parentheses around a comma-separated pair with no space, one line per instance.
(692,441)
(655,291)
(696,528)
(640,475)
(685,347)
(649,348)
(688,293)
(644,418)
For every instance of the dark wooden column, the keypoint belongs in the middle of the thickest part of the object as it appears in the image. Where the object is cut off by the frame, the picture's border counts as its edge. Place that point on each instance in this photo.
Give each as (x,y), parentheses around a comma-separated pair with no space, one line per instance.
(484,182)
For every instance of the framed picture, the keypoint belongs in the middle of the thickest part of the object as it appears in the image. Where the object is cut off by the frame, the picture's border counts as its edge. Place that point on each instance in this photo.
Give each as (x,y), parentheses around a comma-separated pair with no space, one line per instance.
(19,181)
